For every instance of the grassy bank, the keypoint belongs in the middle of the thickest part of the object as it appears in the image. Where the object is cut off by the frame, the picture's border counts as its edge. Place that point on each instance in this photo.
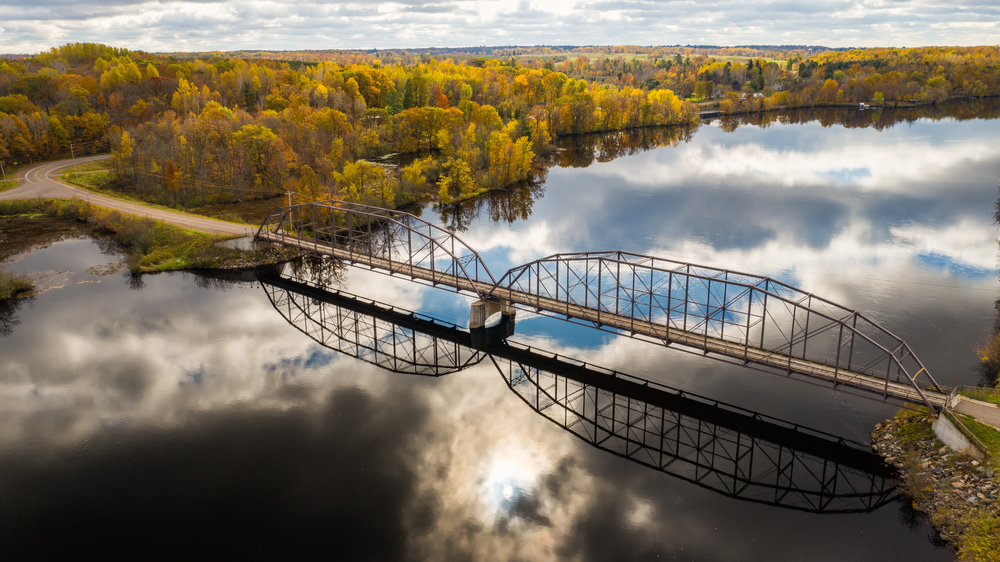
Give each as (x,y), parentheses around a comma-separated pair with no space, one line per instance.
(7,184)
(988,435)
(149,245)
(983,394)
(92,181)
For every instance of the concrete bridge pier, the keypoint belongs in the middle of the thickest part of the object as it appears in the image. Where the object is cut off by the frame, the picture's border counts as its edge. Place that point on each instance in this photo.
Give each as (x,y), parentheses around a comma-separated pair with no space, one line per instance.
(483,337)
(482,310)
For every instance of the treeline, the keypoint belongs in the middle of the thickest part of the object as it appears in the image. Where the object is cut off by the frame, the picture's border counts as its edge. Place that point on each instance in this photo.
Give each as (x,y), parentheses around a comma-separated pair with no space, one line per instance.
(195,131)
(875,76)
(381,128)
(546,53)
(881,77)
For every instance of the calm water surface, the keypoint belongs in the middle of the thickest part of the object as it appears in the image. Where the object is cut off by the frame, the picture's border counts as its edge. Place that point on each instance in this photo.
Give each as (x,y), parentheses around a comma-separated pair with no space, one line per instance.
(180,414)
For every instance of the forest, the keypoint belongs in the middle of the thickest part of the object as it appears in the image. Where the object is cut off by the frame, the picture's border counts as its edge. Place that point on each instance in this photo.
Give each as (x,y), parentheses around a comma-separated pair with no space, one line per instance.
(388,128)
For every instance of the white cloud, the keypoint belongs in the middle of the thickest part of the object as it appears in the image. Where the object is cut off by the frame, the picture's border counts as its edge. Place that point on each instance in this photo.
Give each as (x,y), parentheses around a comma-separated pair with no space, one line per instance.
(187,25)
(861,166)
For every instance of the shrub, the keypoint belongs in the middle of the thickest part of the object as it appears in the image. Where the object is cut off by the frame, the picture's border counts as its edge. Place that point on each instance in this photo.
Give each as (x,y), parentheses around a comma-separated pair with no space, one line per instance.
(11,285)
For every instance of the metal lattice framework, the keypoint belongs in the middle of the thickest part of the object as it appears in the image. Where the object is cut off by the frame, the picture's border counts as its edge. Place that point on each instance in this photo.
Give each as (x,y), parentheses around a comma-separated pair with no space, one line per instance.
(726,459)
(753,320)
(359,333)
(756,320)
(392,241)
(724,448)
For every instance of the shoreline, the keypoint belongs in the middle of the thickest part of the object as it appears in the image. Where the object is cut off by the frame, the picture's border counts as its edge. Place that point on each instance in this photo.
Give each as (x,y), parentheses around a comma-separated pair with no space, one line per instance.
(179,250)
(872,106)
(956,493)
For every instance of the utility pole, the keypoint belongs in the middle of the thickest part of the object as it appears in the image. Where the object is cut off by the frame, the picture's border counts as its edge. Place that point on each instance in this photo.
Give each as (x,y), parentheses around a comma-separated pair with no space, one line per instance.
(72,153)
(3,171)
(289,194)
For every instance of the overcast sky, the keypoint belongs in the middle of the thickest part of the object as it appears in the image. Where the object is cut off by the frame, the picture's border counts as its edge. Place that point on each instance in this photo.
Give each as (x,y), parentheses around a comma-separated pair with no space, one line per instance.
(29,26)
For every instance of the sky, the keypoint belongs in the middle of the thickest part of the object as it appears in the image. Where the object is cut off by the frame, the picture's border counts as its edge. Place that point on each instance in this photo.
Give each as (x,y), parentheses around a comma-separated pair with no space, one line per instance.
(29,26)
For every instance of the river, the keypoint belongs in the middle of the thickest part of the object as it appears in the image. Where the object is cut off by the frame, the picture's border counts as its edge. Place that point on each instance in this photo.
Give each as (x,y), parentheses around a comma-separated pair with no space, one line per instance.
(178,414)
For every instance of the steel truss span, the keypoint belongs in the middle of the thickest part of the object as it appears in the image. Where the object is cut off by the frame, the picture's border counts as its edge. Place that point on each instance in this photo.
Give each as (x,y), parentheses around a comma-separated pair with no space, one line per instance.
(724,448)
(752,320)
(390,241)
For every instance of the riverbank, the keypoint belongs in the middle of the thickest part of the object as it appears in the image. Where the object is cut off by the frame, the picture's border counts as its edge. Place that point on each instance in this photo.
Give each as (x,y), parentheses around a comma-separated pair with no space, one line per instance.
(148,246)
(742,106)
(957,493)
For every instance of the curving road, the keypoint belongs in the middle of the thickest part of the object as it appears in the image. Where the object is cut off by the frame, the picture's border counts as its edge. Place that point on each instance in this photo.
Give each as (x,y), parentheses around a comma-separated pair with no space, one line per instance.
(39,182)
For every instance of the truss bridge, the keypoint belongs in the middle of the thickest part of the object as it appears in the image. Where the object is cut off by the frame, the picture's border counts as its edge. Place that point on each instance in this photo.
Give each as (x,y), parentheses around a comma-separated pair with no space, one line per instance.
(750,320)
(724,448)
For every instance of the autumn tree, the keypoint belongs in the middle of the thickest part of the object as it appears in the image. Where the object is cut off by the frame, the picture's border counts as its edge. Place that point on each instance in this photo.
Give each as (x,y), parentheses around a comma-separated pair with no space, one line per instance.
(456,180)
(367,183)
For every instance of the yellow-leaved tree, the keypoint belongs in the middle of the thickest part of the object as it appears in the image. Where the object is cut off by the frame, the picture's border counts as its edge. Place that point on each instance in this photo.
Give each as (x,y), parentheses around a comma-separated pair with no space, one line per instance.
(456,181)
(366,183)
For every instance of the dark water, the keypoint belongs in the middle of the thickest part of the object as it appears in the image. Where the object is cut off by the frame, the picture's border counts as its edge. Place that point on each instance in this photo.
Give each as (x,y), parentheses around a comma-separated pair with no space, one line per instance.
(188,416)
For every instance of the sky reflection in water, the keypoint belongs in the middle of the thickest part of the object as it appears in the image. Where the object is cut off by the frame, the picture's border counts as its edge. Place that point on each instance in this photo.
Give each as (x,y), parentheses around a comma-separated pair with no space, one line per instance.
(185,412)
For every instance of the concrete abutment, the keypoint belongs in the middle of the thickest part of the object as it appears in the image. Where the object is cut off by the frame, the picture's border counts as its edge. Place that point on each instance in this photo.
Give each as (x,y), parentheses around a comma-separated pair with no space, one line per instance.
(483,309)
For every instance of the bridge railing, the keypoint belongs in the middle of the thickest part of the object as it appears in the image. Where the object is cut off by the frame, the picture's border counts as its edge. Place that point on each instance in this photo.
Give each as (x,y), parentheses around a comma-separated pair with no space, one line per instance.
(688,301)
(380,238)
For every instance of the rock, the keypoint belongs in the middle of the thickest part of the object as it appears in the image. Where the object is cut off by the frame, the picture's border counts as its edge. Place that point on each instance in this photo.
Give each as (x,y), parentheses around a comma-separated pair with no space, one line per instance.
(973,500)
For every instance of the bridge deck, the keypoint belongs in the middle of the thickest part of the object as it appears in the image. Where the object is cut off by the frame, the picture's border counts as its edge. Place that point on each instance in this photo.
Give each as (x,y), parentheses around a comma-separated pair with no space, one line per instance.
(746,354)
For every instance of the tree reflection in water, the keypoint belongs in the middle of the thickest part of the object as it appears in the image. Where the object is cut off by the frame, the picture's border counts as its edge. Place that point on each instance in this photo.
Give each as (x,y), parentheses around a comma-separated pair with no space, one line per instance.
(580,151)
(8,314)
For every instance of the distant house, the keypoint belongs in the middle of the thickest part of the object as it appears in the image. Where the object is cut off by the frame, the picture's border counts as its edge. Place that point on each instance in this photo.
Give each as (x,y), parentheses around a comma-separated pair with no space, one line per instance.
(717,93)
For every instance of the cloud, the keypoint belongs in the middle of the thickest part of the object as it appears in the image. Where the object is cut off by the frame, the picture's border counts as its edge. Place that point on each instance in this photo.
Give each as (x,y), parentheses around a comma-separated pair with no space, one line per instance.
(274,24)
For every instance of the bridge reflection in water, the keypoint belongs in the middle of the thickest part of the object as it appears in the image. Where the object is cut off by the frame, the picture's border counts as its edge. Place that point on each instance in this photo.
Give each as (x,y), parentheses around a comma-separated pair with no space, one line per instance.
(732,451)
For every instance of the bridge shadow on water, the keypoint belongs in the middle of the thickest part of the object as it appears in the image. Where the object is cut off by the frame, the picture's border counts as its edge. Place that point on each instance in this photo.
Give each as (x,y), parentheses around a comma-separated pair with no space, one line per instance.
(721,447)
